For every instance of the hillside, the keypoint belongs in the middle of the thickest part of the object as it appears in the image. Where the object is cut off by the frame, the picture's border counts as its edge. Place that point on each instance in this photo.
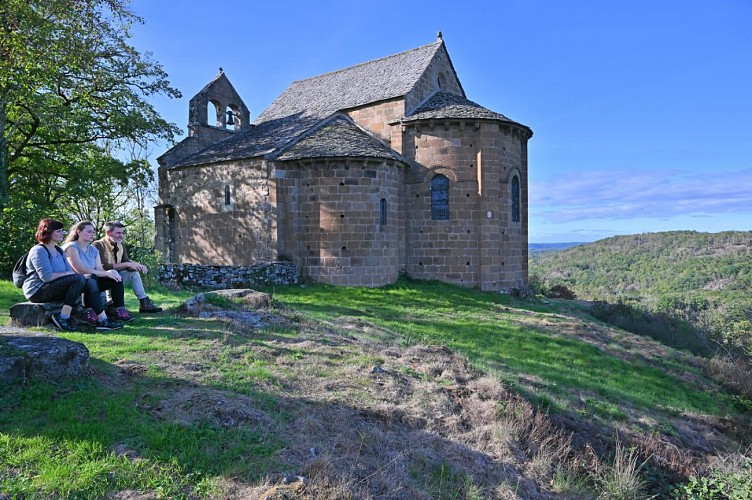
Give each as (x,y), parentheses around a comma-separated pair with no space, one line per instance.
(416,390)
(700,280)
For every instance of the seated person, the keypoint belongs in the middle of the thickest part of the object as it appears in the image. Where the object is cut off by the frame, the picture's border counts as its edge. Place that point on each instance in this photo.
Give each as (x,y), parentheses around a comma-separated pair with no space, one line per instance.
(49,277)
(84,259)
(114,256)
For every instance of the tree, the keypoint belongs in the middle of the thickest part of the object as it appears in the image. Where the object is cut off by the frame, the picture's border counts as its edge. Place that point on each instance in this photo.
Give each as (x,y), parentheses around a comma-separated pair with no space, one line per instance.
(69,82)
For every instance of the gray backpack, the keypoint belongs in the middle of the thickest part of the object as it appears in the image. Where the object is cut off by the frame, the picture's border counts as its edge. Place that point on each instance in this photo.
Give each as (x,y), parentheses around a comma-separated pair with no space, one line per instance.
(20,272)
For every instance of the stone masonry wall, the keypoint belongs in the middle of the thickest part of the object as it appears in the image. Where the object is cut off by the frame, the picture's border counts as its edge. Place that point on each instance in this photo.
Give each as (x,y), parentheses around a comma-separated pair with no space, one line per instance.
(331,220)
(273,273)
(478,245)
(375,118)
(206,229)
(438,77)
(439,249)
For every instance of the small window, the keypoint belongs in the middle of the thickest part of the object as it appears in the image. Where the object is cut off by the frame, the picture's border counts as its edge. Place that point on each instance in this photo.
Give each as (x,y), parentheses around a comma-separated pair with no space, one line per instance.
(228,200)
(382,212)
(440,197)
(515,199)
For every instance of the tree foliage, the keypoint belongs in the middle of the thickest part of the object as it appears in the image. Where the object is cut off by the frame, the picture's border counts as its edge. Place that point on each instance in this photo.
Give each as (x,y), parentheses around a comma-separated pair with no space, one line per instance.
(73,100)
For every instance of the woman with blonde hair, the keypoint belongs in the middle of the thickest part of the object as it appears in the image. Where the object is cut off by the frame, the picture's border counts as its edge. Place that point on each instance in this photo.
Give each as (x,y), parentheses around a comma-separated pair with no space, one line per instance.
(84,259)
(49,277)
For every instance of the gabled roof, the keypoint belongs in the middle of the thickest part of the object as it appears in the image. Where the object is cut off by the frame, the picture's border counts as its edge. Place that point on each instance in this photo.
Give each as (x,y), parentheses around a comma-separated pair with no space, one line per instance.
(338,137)
(378,80)
(305,103)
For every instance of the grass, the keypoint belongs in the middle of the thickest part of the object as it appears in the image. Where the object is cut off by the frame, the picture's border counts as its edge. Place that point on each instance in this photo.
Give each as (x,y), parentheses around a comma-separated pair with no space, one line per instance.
(486,327)
(182,407)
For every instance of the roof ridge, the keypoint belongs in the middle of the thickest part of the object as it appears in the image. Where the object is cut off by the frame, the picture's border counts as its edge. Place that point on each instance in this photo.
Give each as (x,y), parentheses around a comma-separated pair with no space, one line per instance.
(438,42)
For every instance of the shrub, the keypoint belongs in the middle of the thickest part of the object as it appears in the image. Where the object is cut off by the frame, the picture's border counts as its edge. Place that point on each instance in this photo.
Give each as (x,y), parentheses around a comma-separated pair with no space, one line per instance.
(560,292)
(659,326)
(152,259)
(730,478)
(522,292)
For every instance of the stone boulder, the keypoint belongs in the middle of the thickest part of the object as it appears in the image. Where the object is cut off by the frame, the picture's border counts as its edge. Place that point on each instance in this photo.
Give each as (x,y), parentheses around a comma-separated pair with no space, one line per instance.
(33,314)
(243,309)
(245,298)
(25,354)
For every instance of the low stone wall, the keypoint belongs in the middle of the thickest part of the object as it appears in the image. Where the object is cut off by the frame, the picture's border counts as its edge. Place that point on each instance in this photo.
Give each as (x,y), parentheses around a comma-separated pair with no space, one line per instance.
(274,273)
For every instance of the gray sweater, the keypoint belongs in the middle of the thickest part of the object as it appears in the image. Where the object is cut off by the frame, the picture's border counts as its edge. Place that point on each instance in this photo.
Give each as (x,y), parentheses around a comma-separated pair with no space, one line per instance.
(43,265)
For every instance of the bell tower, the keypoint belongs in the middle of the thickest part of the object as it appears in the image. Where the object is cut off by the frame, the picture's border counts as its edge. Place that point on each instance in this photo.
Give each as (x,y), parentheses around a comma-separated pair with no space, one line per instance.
(217,111)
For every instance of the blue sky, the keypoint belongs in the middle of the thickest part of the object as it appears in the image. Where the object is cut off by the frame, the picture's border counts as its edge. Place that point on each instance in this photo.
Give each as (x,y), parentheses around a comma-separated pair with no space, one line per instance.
(641,111)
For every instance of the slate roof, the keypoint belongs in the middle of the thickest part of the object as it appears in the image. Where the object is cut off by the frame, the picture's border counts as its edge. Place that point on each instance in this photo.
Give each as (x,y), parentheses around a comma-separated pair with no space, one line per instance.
(372,81)
(338,137)
(259,140)
(444,105)
(301,107)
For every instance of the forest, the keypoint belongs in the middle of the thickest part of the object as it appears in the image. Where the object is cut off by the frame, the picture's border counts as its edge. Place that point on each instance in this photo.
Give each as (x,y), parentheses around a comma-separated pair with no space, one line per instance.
(686,288)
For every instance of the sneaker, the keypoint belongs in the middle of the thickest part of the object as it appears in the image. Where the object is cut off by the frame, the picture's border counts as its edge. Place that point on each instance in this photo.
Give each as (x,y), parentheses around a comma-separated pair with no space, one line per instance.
(120,314)
(147,306)
(109,324)
(89,317)
(63,323)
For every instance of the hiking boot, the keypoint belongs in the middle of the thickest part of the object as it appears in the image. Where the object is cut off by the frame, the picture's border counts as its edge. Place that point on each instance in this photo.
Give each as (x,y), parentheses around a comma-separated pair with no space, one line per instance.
(119,314)
(89,317)
(64,324)
(147,306)
(109,324)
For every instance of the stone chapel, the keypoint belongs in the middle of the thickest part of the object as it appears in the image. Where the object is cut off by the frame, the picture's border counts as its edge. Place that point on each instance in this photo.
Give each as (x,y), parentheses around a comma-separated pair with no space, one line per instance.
(354,176)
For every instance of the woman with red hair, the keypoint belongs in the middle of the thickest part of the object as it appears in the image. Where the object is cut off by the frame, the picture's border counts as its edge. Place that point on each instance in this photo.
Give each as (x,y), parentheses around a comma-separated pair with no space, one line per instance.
(49,277)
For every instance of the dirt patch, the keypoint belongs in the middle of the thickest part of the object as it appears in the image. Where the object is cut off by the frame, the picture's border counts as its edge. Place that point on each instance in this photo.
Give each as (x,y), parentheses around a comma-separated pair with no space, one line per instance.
(191,405)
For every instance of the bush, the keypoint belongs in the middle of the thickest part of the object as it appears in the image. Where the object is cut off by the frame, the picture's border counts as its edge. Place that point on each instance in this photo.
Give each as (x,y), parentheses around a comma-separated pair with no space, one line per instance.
(150,258)
(522,292)
(560,292)
(662,327)
(732,478)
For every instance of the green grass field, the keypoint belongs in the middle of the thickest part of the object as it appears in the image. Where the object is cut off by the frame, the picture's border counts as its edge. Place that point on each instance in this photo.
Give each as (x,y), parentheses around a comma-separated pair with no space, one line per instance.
(78,438)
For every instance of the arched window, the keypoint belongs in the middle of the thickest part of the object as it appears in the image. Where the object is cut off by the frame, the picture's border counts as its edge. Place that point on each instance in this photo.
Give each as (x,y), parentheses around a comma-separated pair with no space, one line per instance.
(228,200)
(440,197)
(382,212)
(515,199)
(212,114)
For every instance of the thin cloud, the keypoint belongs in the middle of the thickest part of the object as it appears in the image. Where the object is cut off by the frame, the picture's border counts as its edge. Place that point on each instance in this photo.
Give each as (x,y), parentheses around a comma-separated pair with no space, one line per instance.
(653,195)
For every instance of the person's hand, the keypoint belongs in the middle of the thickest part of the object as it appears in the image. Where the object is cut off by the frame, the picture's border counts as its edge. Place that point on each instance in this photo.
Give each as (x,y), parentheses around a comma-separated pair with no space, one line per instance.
(135,266)
(112,273)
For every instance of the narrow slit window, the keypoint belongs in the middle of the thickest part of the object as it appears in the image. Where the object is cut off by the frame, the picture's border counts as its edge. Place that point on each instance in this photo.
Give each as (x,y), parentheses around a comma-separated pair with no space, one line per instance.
(515,199)
(440,197)
(228,200)
(382,212)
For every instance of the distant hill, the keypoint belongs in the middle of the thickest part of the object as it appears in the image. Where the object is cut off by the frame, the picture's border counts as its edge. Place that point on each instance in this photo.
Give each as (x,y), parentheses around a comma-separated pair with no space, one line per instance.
(700,278)
(548,247)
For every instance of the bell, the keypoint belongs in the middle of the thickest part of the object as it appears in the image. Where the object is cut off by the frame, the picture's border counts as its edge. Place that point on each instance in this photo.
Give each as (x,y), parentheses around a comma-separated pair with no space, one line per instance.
(230,121)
